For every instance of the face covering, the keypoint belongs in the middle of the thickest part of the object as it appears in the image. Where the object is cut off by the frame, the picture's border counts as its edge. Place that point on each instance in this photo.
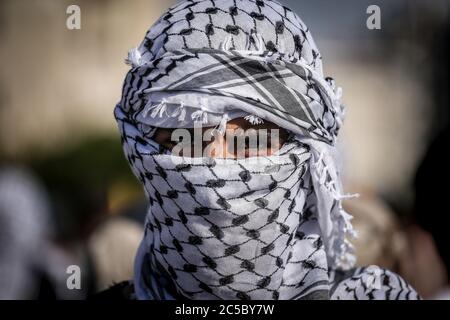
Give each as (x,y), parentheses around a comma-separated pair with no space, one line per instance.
(227,228)
(264,63)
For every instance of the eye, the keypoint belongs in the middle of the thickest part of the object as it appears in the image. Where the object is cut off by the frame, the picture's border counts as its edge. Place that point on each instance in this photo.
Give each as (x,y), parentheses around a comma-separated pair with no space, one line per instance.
(163,137)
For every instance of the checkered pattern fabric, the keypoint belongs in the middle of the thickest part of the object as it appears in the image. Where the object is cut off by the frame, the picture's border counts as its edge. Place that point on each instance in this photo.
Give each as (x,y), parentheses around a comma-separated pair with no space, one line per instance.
(230,229)
(256,56)
(226,229)
(237,229)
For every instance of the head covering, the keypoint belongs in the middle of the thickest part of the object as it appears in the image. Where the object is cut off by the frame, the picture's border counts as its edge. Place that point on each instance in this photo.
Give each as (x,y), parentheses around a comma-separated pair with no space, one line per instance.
(225,228)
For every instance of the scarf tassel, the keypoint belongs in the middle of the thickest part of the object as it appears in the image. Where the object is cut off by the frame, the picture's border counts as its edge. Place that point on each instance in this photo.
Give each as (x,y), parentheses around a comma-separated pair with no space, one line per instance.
(156,109)
(134,58)
(254,120)
(344,256)
(226,44)
(222,126)
(200,116)
(180,112)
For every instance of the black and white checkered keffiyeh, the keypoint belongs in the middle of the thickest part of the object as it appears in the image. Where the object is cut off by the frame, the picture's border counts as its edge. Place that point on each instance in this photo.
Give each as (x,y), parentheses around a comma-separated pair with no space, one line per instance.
(230,229)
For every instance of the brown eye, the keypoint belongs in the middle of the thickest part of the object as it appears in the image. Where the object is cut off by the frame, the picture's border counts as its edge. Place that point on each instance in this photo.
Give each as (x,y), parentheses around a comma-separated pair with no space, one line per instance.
(163,137)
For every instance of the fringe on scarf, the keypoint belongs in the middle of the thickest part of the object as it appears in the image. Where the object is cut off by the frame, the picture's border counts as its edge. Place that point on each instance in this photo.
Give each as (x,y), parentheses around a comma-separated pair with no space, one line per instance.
(335,223)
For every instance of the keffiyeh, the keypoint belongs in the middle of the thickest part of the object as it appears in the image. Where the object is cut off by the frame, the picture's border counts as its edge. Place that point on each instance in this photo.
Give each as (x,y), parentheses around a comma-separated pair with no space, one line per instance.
(227,229)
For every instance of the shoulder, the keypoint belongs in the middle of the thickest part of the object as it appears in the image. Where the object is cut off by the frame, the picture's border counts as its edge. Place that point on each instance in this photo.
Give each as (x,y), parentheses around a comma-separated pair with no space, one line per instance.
(370,283)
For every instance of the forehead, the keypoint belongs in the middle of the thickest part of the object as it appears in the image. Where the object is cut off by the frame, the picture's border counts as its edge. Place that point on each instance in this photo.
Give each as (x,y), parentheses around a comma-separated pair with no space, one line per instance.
(241,123)
(235,124)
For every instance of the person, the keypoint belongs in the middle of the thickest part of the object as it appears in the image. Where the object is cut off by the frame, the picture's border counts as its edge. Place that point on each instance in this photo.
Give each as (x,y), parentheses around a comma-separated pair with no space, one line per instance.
(30,262)
(381,236)
(229,124)
(430,262)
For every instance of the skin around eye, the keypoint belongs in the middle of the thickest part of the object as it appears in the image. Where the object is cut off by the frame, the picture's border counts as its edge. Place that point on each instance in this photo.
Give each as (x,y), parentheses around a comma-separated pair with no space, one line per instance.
(257,140)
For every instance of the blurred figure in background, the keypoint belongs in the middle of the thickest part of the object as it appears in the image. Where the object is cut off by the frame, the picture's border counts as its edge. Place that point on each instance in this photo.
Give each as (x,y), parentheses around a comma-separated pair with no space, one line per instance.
(381,239)
(430,237)
(428,263)
(30,265)
(113,246)
(93,196)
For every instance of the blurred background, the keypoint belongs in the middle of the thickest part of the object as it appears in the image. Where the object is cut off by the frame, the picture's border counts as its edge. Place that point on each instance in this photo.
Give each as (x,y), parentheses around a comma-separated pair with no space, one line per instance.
(67,195)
